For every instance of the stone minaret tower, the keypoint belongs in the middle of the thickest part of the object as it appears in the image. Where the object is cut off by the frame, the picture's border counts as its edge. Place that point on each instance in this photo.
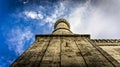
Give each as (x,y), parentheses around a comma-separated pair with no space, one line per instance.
(62,27)
(62,48)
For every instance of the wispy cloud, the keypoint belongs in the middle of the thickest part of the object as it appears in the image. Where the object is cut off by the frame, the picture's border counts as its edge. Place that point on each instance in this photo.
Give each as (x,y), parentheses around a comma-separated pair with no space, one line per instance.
(57,13)
(18,38)
(42,16)
(33,15)
(98,18)
(6,61)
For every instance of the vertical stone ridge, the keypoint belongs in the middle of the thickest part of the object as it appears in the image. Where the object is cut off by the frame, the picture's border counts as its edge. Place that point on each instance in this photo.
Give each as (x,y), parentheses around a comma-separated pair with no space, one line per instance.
(44,51)
(81,53)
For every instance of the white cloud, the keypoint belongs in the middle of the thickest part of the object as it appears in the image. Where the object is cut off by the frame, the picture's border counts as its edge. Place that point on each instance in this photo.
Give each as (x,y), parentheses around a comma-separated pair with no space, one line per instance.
(99,18)
(38,14)
(5,61)
(101,21)
(33,15)
(18,38)
(25,2)
(59,10)
(77,18)
(49,19)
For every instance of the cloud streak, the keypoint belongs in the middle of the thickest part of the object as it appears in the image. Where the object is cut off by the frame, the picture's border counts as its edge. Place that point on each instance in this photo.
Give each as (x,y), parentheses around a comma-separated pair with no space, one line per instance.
(33,15)
(18,38)
(98,18)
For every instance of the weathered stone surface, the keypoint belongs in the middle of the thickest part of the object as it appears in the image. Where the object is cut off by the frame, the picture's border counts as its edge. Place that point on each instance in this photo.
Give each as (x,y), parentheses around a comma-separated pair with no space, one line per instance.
(62,48)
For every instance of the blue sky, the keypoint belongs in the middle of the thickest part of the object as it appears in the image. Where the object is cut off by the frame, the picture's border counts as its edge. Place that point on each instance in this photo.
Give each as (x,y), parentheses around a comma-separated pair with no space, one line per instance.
(21,20)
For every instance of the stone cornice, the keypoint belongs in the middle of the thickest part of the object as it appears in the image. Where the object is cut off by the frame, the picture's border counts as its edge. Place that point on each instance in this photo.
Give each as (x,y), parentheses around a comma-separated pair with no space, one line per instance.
(62,35)
(105,40)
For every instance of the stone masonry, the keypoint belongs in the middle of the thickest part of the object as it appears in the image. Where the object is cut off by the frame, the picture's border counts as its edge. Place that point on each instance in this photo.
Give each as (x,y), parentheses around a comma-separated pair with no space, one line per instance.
(63,48)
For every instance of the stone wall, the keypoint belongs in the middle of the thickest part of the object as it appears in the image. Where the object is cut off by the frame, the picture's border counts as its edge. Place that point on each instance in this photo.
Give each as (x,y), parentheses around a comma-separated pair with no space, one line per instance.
(64,51)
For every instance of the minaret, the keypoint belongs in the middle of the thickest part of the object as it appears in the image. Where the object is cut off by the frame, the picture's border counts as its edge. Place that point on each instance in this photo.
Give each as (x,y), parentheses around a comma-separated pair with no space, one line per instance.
(62,48)
(62,27)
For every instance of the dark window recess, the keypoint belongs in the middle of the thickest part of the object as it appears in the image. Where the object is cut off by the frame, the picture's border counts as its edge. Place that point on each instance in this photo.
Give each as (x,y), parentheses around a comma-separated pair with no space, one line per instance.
(67,44)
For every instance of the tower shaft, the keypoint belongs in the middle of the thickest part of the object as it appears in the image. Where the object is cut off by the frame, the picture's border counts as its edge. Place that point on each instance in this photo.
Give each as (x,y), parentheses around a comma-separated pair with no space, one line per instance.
(62,48)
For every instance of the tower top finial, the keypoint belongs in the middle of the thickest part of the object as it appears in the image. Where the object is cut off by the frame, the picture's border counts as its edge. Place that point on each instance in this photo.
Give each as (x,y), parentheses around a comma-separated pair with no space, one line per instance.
(62,27)
(63,21)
